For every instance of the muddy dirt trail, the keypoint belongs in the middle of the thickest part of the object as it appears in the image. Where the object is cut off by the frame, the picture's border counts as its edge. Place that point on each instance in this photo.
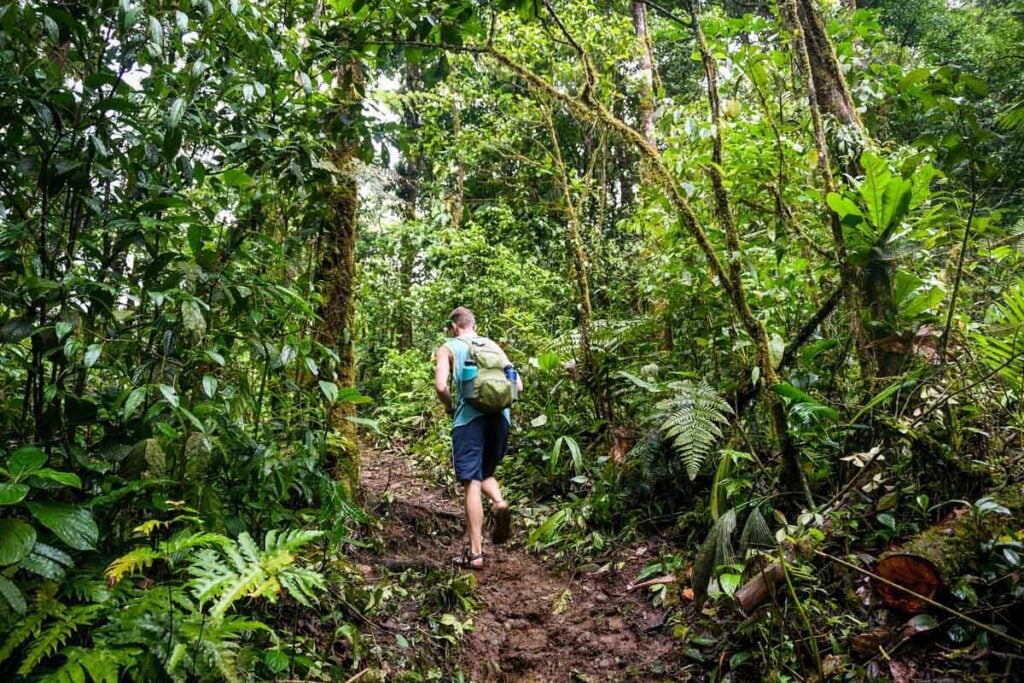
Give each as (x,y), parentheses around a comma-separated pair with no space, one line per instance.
(532,623)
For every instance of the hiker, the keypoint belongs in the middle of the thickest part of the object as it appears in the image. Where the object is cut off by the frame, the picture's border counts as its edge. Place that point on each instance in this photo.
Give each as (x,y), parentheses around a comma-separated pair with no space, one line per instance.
(486,383)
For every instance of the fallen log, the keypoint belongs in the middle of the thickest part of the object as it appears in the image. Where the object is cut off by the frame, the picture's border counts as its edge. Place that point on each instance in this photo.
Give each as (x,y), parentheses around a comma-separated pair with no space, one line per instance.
(929,561)
(760,587)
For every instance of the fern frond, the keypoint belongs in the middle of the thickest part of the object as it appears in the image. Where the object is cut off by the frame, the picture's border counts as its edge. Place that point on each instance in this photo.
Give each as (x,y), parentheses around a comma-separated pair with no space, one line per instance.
(178,545)
(28,626)
(236,570)
(129,563)
(691,419)
(98,665)
(1002,343)
(1012,118)
(57,635)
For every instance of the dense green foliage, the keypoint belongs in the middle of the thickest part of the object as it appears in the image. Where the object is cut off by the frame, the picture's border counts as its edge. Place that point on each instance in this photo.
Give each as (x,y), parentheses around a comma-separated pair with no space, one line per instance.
(751,320)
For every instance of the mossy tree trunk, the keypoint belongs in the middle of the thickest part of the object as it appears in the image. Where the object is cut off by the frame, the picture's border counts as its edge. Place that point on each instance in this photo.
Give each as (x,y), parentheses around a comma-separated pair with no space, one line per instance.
(794,475)
(337,274)
(649,86)
(928,562)
(816,58)
(581,268)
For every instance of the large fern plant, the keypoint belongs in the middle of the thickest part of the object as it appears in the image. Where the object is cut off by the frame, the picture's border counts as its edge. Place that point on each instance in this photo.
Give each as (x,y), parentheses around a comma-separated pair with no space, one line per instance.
(181,623)
(1002,342)
(691,418)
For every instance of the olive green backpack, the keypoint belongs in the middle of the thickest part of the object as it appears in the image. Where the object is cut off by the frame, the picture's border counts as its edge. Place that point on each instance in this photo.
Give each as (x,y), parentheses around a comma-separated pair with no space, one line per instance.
(493,392)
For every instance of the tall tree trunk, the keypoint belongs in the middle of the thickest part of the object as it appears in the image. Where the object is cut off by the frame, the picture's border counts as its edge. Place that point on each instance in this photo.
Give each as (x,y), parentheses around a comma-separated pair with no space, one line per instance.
(581,268)
(645,115)
(848,276)
(338,274)
(409,170)
(830,89)
(647,76)
(458,197)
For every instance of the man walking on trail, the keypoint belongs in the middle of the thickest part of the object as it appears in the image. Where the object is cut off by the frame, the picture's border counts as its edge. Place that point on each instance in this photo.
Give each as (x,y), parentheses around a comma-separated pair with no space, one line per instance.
(486,383)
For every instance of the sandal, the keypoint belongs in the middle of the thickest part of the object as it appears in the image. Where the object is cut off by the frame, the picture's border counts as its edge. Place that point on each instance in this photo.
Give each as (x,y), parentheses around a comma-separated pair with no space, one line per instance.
(469,560)
(502,524)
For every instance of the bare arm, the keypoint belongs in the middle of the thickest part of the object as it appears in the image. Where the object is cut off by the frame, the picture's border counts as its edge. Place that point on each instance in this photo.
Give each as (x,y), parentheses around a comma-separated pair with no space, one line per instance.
(519,377)
(442,371)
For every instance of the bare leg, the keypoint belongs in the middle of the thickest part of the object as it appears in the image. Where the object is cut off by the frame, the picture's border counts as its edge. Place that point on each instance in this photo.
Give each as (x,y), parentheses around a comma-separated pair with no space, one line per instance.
(493,491)
(474,517)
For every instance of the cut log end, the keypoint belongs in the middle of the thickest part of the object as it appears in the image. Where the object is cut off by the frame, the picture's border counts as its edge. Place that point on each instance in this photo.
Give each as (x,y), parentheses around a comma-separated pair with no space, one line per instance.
(910,571)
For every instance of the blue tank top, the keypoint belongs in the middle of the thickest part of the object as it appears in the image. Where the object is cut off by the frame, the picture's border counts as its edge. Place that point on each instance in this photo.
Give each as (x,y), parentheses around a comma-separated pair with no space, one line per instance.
(464,413)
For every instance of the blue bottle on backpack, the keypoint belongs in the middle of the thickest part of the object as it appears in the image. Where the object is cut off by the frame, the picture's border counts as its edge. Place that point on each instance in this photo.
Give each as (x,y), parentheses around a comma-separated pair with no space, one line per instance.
(511,375)
(469,370)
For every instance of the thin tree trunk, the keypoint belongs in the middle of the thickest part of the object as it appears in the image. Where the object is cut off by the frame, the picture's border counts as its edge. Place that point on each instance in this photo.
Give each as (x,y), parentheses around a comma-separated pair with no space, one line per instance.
(790,454)
(458,199)
(409,170)
(645,115)
(581,268)
(644,48)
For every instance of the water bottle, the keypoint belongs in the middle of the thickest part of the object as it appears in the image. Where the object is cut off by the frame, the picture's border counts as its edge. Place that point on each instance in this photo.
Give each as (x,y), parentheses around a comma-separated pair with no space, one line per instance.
(469,371)
(512,376)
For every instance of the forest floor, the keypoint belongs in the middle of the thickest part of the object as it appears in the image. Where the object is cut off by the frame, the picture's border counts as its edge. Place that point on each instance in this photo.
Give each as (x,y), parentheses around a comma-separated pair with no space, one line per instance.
(532,622)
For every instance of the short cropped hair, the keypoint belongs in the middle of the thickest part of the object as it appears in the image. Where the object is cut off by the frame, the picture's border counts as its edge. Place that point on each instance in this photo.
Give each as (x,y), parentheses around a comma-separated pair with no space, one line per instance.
(463,317)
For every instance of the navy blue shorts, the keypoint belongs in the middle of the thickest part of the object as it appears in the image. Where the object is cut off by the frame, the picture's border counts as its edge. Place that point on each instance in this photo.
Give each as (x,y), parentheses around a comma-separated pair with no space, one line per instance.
(478,447)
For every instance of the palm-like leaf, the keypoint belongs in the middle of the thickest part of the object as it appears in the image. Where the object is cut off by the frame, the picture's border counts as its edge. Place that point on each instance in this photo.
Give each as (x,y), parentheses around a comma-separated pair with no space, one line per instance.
(1002,345)
(716,550)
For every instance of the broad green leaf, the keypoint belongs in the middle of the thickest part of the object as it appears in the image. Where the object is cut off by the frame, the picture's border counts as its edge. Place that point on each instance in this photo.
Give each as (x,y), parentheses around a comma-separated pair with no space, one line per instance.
(169,394)
(729,582)
(16,540)
(11,493)
(547,361)
(352,395)
(42,566)
(192,316)
(914,77)
(843,206)
(134,400)
(12,595)
(26,459)
(236,177)
(330,390)
(367,422)
(71,523)
(209,385)
(65,478)
(156,36)
(923,301)
(175,112)
(92,354)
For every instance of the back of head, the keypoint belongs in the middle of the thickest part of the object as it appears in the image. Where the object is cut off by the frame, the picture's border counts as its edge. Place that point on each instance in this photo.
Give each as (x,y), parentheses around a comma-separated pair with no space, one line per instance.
(462,318)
